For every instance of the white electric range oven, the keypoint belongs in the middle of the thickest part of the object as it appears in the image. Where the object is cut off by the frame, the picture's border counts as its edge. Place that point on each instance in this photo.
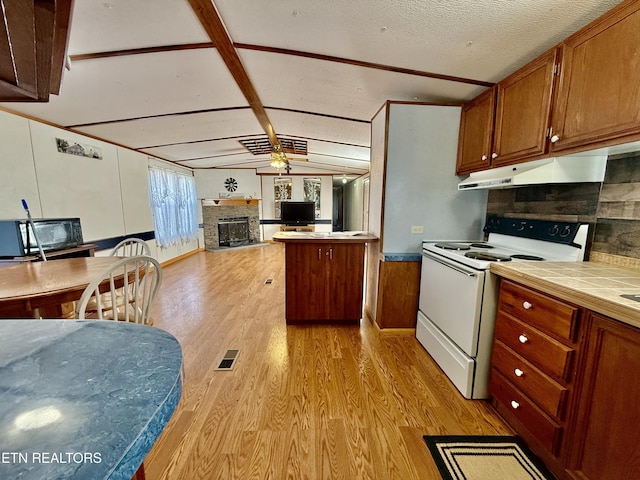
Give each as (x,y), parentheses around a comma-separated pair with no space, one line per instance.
(458,294)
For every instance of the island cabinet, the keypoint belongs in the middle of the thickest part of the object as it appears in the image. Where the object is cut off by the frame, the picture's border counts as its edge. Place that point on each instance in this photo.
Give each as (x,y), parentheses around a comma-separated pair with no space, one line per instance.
(324,282)
(324,276)
(598,101)
(509,123)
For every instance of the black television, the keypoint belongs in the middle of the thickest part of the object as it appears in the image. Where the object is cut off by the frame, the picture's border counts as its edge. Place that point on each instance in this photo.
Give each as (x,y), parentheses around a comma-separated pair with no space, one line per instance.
(297,213)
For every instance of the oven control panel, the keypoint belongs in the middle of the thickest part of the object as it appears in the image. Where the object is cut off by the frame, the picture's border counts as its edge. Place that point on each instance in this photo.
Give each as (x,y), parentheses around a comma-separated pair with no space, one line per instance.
(549,231)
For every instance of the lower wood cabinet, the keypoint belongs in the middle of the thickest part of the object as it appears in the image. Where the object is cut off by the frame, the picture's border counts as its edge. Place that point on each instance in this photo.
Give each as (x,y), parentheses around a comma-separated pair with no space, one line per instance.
(607,421)
(324,282)
(567,381)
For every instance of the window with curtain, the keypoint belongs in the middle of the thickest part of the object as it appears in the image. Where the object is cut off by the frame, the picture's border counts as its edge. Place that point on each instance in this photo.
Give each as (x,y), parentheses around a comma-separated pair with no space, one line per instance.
(173,200)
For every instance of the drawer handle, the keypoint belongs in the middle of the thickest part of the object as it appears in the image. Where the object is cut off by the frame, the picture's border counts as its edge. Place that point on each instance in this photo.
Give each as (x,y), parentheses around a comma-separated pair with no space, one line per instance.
(514,404)
(523,338)
(526,305)
(518,372)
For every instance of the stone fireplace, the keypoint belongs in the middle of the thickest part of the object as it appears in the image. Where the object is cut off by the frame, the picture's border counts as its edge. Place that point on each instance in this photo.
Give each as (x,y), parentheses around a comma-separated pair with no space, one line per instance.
(230,223)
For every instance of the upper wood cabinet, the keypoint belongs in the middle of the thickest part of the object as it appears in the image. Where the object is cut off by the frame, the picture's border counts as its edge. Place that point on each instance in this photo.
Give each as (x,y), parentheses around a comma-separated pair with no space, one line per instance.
(33,47)
(598,100)
(520,117)
(476,133)
(523,111)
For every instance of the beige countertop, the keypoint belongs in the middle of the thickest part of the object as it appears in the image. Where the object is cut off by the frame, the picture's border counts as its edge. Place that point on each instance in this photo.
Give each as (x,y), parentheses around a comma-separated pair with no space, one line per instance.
(595,286)
(324,237)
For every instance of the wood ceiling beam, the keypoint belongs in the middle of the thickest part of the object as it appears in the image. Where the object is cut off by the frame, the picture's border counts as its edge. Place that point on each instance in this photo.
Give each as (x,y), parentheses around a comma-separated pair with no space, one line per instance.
(212,23)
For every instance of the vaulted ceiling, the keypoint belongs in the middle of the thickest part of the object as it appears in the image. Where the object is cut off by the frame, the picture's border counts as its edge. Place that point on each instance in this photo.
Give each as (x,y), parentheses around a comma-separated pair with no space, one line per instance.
(196,81)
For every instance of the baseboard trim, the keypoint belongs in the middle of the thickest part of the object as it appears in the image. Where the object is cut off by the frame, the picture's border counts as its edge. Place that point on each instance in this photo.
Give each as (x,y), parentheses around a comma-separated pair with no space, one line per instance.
(180,257)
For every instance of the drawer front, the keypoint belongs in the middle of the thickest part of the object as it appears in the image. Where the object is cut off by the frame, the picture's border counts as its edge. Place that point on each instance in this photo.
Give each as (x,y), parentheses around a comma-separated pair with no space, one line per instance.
(510,402)
(541,311)
(549,395)
(551,356)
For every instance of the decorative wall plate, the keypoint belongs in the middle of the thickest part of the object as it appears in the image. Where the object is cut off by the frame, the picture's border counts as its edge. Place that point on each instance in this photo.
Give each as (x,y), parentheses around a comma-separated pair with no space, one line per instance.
(230,184)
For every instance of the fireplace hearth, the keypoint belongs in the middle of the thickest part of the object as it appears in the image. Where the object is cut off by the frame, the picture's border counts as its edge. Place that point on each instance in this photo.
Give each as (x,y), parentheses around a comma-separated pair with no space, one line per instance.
(233,231)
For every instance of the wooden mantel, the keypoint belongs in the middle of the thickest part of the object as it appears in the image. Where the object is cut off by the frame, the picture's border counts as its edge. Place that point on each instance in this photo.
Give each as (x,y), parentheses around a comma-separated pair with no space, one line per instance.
(229,201)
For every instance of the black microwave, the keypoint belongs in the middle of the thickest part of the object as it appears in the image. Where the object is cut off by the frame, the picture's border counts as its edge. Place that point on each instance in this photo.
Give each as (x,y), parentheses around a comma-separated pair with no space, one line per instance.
(17,238)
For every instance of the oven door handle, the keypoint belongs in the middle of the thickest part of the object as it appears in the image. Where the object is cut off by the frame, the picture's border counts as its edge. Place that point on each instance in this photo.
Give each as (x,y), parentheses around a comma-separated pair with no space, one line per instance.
(457,268)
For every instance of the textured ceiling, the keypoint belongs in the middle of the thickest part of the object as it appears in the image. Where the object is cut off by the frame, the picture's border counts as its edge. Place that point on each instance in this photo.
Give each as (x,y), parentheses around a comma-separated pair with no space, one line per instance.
(181,103)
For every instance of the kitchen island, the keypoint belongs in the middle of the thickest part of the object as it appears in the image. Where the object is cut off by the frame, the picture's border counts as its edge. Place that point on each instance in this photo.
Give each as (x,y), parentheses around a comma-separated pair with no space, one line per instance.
(324,276)
(83,399)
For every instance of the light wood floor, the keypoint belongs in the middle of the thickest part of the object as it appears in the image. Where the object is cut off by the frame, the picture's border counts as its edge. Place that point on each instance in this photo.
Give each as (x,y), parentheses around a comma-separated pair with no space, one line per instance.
(302,402)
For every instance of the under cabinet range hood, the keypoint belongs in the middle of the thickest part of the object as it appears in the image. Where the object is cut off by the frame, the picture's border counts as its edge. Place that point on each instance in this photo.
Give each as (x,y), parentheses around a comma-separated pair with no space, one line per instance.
(570,169)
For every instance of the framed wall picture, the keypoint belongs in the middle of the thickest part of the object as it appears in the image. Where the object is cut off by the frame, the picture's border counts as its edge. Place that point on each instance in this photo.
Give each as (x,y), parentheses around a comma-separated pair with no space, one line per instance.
(312,188)
(281,192)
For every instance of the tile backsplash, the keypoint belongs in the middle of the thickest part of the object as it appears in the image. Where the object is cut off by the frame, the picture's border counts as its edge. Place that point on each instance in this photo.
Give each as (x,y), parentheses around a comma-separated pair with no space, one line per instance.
(611,208)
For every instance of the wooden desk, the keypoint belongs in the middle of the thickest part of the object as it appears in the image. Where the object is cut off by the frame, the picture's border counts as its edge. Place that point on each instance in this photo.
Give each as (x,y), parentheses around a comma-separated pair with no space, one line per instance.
(47,286)
(84,250)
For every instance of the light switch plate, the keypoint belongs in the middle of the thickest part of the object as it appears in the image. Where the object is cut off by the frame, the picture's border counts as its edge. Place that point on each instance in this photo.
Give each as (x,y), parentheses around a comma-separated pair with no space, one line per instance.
(417,229)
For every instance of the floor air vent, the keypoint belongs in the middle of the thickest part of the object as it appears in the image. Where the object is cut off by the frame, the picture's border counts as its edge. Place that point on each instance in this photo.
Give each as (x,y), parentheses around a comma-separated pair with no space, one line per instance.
(228,360)
(268,281)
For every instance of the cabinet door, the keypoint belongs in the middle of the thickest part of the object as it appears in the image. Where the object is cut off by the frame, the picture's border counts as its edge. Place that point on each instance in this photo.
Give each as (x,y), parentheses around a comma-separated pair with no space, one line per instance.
(523,111)
(476,130)
(305,281)
(599,95)
(344,281)
(606,436)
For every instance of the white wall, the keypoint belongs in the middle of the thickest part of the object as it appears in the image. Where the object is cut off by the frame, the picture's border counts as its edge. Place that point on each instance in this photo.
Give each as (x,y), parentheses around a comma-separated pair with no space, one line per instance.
(18,179)
(354,203)
(297,194)
(78,186)
(110,195)
(420,180)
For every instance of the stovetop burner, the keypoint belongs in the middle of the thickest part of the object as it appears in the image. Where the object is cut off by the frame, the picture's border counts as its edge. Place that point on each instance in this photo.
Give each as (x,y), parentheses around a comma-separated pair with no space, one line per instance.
(488,257)
(481,245)
(523,256)
(453,246)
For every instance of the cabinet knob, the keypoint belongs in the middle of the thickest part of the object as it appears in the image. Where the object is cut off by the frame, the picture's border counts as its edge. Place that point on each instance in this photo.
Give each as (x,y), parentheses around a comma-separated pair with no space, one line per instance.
(523,338)
(526,305)
(484,158)
(518,372)
(554,138)
(494,155)
(514,404)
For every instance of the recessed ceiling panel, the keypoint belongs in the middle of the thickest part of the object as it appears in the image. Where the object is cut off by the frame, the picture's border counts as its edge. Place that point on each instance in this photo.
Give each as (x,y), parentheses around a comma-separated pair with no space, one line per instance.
(104,26)
(134,86)
(320,127)
(342,90)
(174,129)
(483,39)
(339,150)
(199,149)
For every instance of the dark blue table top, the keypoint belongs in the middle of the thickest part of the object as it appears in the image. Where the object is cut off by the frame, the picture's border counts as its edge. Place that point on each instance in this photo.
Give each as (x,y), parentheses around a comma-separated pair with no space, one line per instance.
(83,399)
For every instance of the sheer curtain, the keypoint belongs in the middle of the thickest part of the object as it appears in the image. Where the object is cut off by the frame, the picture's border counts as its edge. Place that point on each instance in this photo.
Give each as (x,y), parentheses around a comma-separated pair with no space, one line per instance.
(173,200)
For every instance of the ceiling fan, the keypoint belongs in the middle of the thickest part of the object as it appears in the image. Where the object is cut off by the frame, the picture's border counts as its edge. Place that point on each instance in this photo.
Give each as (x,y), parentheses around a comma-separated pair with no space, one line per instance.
(280,160)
